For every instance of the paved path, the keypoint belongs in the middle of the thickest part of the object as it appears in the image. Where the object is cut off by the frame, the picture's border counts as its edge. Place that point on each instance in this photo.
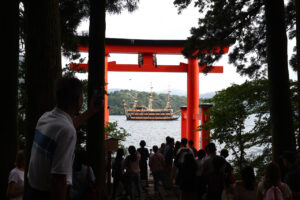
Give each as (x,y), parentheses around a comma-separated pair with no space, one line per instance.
(150,194)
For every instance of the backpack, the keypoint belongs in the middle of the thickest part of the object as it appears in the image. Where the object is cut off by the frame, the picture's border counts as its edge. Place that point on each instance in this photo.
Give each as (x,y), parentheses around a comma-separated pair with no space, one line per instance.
(274,193)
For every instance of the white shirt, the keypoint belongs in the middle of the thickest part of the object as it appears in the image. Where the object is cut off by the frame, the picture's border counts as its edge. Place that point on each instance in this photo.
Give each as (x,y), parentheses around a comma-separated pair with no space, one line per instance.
(52,150)
(17,176)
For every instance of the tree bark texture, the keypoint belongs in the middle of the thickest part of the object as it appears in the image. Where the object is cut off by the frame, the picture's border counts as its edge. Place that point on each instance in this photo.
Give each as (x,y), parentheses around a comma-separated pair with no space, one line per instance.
(283,137)
(96,80)
(10,59)
(42,60)
(298,58)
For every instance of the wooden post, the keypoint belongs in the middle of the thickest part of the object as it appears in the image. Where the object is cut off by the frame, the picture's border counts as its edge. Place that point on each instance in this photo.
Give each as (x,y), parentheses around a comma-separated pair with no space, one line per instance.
(193,101)
(205,116)
(183,121)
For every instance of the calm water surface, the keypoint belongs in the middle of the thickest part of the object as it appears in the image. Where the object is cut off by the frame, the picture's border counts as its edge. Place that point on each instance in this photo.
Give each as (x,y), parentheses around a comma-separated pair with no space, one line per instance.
(153,132)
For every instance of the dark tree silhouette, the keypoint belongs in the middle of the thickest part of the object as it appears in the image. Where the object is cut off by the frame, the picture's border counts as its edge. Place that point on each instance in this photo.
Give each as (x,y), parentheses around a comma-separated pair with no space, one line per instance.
(256,51)
(42,60)
(95,138)
(96,80)
(283,137)
(10,59)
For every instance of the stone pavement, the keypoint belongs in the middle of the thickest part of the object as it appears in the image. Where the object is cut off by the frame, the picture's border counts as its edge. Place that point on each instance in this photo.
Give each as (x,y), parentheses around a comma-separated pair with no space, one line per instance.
(150,194)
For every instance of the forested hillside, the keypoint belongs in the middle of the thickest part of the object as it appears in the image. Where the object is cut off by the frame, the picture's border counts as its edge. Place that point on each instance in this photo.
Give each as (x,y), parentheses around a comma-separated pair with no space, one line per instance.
(115,100)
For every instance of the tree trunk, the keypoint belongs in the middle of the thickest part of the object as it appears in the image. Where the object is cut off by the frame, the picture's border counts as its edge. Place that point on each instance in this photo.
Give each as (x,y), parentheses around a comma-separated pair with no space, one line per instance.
(95,137)
(10,59)
(298,59)
(283,137)
(42,60)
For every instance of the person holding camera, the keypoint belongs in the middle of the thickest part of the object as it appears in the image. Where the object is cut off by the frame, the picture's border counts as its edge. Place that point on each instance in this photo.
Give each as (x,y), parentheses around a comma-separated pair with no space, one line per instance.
(52,154)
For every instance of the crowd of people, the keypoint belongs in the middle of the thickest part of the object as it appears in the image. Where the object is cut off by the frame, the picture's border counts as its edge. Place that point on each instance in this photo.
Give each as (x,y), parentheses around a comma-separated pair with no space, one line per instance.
(202,174)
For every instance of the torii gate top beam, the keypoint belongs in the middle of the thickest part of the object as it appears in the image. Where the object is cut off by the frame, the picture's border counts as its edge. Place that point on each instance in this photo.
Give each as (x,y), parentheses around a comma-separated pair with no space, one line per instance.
(113,45)
(147,48)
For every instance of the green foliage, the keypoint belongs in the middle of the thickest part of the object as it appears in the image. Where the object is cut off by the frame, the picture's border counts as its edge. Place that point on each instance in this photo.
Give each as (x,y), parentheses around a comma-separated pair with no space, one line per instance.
(240,24)
(240,120)
(72,13)
(115,100)
(114,131)
(111,129)
(21,120)
(234,108)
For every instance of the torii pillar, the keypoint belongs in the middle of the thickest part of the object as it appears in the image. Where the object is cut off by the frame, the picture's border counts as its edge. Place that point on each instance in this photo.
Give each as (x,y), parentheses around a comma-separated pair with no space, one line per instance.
(205,117)
(106,107)
(183,121)
(193,101)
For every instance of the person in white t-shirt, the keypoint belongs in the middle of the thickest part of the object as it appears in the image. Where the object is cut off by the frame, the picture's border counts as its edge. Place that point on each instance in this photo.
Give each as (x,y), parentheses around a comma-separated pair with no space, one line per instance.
(15,187)
(52,154)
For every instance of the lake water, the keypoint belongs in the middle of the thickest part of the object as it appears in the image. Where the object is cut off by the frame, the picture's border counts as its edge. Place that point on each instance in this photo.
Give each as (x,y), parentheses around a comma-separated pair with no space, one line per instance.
(153,132)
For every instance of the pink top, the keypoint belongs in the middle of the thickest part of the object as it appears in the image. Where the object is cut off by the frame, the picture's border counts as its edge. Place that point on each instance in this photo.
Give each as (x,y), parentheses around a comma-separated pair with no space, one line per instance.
(133,166)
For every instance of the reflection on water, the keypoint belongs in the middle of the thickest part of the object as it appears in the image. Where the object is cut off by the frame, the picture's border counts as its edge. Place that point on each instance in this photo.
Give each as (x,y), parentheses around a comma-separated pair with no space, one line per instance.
(153,132)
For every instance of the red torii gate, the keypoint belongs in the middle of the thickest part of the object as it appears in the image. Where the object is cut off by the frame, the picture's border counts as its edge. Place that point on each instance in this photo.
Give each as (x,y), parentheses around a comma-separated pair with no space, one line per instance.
(148,48)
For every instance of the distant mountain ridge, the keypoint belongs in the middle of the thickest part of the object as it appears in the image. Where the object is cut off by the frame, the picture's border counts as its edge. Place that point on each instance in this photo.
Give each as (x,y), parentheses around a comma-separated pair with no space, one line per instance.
(117,97)
(177,92)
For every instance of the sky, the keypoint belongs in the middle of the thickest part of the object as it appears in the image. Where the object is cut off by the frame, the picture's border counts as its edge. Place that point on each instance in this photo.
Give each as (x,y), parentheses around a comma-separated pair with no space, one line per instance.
(159,19)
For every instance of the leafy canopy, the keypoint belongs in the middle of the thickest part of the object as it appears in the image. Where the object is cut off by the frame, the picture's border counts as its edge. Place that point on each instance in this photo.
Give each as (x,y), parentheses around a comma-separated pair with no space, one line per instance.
(240,120)
(238,23)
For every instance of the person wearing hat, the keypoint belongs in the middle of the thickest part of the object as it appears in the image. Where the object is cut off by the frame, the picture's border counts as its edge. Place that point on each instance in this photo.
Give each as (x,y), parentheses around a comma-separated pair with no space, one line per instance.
(292,177)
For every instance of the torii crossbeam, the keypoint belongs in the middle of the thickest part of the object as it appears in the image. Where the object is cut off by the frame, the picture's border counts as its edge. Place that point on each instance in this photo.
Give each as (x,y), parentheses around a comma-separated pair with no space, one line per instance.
(147,49)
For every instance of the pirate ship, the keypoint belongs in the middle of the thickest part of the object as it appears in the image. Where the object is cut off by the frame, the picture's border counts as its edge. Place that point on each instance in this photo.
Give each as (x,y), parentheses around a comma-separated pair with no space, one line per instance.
(138,112)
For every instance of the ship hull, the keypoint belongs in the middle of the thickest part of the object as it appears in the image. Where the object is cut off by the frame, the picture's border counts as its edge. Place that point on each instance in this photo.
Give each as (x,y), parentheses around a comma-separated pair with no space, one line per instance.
(150,118)
(133,114)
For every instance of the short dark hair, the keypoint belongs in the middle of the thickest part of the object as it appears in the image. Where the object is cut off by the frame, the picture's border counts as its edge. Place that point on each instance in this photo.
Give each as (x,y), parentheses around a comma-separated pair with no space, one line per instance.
(224,153)
(168,140)
(184,141)
(132,153)
(68,91)
(210,148)
(191,142)
(155,148)
(201,154)
(142,143)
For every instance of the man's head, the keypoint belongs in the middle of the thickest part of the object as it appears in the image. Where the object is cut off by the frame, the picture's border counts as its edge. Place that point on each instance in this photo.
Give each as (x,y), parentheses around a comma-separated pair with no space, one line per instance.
(172,141)
(224,153)
(168,140)
(69,94)
(210,148)
(201,154)
(155,148)
(191,143)
(142,143)
(183,142)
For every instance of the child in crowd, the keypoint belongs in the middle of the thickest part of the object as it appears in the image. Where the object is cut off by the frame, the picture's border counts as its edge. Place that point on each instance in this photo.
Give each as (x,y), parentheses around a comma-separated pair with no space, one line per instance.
(15,187)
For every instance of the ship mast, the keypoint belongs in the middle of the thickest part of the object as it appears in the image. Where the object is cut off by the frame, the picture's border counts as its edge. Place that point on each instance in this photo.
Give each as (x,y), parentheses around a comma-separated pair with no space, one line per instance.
(135,100)
(150,97)
(168,102)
